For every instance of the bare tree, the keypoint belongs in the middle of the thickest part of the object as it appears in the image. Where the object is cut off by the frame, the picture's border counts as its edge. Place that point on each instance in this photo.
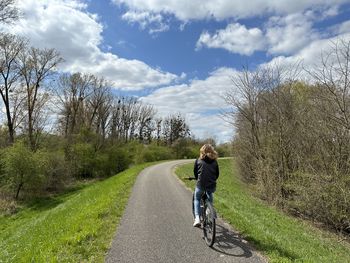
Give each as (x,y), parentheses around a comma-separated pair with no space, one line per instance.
(73,90)
(134,118)
(97,109)
(104,116)
(130,119)
(332,79)
(115,121)
(243,97)
(8,11)
(146,116)
(174,128)
(334,75)
(37,65)
(158,129)
(129,109)
(96,99)
(10,48)
(18,99)
(262,113)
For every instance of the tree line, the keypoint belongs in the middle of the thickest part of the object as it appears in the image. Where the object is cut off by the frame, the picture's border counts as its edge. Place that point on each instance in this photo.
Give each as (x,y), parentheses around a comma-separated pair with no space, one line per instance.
(293,137)
(58,127)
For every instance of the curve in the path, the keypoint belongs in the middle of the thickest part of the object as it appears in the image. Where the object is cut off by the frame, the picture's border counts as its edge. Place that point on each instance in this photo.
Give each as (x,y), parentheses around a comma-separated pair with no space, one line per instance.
(157,226)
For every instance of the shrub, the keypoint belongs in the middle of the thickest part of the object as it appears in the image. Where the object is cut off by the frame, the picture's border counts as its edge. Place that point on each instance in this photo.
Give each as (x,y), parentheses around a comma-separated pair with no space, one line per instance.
(193,151)
(81,157)
(134,149)
(118,159)
(57,172)
(181,149)
(224,150)
(23,169)
(101,165)
(322,198)
(86,162)
(110,162)
(153,152)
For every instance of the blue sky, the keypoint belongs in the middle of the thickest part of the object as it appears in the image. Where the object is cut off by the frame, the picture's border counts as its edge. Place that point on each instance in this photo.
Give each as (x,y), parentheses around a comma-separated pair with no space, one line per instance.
(173,50)
(179,55)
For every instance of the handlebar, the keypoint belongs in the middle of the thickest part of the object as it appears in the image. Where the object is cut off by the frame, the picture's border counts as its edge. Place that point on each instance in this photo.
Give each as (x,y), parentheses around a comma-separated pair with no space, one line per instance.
(190,178)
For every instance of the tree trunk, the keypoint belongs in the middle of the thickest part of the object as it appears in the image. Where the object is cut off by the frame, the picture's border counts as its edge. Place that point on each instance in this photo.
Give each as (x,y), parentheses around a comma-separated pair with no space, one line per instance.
(18,190)
(10,125)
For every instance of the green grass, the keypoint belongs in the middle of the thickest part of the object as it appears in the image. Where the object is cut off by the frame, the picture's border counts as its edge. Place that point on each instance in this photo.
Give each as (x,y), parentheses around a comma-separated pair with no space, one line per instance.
(280,237)
(77,226)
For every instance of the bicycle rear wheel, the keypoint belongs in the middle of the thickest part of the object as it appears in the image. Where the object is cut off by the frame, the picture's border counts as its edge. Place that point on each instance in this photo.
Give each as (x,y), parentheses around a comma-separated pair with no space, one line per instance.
(209,224)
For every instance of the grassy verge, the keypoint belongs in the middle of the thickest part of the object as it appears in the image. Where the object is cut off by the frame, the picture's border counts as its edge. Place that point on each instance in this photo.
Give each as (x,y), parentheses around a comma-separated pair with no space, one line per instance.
(74,227)
(280,237)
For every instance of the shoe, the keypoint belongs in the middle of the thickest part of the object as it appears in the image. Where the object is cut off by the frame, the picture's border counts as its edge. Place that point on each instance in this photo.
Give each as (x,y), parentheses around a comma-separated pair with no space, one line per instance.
(197,222)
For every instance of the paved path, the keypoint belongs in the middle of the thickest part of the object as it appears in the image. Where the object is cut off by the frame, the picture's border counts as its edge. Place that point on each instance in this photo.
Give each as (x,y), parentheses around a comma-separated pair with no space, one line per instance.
(157,226)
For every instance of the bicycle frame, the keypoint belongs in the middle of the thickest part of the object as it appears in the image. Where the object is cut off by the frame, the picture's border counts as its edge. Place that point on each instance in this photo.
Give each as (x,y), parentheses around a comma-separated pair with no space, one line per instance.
(207,217)
(208,220)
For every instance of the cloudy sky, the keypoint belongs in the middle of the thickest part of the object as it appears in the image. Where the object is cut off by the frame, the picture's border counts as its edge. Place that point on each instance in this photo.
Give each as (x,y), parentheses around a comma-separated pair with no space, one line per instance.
(179,55)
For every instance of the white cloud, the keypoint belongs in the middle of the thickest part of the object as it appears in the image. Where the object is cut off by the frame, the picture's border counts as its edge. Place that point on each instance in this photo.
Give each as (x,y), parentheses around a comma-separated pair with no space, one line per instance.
(147,19)
(67,26)
(235,38)
(280,35)
(310,56)
(331,11)
(288,31)
(344,27)
(286,35)
(338,29)
(221,9)
(199,101)
(213,126)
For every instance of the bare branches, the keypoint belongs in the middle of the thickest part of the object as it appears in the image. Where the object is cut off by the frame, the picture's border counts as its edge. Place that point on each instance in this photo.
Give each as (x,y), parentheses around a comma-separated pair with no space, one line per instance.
(334,76)
(8,11)
(175,128)
(292,138)
(36,66)
(247,90)
(10,48)
(81,95)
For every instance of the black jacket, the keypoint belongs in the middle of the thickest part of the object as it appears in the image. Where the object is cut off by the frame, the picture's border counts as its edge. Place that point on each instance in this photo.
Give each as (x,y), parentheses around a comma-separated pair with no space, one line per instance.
(206,172)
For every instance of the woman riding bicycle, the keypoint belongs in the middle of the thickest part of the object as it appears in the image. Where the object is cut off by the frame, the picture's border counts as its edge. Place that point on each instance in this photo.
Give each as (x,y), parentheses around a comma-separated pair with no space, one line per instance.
(206,172)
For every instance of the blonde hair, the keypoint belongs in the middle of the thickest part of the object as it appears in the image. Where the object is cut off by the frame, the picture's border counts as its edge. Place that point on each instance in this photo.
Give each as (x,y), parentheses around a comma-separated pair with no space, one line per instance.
(208,150)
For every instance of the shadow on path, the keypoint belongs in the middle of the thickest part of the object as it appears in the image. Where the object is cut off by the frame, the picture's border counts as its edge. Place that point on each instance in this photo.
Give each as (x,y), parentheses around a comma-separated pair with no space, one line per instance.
(230,243)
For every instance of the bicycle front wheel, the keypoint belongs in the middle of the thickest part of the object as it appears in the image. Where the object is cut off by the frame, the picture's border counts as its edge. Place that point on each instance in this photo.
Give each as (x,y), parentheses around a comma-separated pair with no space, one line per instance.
(193,206)
(209,224)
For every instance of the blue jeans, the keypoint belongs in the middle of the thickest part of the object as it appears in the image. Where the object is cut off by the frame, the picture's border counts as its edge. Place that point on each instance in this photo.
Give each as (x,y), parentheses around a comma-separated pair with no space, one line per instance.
(197,198)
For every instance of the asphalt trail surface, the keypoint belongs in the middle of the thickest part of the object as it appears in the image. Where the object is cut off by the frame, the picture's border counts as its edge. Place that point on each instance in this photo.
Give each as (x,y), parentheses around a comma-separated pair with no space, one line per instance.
(157,226)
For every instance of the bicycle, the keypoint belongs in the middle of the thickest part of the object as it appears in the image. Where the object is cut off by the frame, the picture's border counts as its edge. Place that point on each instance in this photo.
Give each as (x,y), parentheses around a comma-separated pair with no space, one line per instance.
(207,217)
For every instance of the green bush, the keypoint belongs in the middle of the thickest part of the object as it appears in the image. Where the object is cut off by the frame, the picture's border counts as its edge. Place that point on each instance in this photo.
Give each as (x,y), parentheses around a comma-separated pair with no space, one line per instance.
(182,150)
(23,170)
(86,162)
(81,157)
(3,136)
(101,165)
(57,172)
(321,197)
(134,149)
(224,150)
(110,161)
(118,159)
(153,152)
(193,151)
